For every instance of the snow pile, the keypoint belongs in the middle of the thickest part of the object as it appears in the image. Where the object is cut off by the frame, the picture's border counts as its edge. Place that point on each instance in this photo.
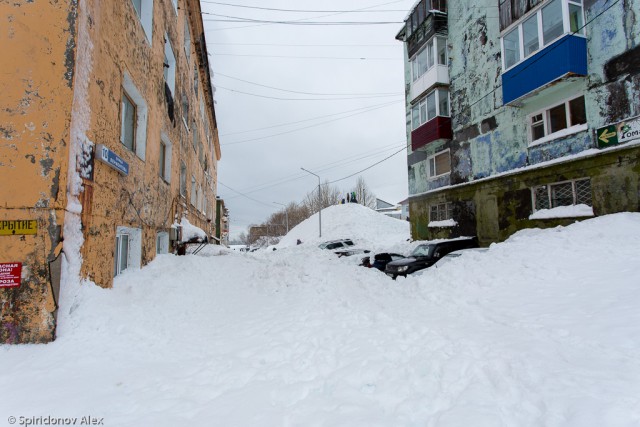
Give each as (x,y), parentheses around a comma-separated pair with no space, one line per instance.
(366,227)
(541,330)
(573,211)
(190,232)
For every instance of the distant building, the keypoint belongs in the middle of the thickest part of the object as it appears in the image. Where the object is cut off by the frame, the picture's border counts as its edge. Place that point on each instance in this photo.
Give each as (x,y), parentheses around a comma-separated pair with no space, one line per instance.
(388,209)
(520,114)
(108,136)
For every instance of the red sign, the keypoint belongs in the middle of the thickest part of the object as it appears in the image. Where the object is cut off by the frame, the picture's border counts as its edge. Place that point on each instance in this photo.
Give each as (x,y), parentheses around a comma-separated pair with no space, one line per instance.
(10,274)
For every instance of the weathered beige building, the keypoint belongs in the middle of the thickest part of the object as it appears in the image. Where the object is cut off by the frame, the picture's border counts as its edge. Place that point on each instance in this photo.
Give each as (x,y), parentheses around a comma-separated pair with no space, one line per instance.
(108,136)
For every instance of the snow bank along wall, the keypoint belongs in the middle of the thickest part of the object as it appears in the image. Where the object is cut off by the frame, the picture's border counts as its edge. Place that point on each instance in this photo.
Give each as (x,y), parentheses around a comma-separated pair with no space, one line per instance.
(124,93)
(498,170)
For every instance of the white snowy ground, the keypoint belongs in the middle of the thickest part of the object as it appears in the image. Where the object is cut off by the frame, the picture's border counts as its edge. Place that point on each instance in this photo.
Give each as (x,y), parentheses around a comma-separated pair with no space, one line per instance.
(543,330)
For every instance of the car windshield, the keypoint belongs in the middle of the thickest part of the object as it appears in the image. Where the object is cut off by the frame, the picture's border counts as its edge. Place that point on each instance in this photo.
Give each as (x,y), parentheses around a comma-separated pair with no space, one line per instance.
(422,250)
(348,242)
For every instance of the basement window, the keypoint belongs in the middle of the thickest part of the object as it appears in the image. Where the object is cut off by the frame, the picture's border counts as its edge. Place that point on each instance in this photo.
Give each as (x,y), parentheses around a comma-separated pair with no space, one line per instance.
(162,243)
(144,10)
(560,120)
(567,193)
(439,164)
(128,249)
(441,212)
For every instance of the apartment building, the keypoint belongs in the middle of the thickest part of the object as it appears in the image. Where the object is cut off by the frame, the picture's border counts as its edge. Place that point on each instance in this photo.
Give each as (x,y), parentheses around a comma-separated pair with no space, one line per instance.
(543,124)
(108,139)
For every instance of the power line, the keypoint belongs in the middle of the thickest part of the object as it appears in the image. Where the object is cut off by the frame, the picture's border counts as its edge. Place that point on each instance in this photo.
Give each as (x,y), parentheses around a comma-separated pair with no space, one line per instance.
(322,23)
(395,45)
(307,93)
(302,121)
(301,10)
(302,99)
(244,195)
(307,127)
(309,57)
(369,167)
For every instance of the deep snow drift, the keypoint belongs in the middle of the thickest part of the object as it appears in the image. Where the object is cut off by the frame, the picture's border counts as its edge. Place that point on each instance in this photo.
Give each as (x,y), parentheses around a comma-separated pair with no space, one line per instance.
(541,330)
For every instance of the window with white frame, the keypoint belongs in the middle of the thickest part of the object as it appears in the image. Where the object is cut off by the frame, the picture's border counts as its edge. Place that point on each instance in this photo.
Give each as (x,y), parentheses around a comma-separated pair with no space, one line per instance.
(433,52)
(169,65)
(195,140)
(559,120)
(436,103)
(185,111)
(175,5)
(187,36)
(194,195)
(183,179)
(144,10)
(439,164)
(128,249)
(133,116)
(162,243)
(165,158)
(565,193)
(441,212)
(195,79)
(540,28)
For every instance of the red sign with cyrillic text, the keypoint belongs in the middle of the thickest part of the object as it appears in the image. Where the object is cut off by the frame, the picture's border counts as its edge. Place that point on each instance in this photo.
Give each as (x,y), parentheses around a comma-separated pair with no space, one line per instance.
(10,274)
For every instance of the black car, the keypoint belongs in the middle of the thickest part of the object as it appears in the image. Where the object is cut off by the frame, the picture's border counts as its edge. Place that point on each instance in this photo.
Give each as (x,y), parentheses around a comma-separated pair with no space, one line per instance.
(427,254)
(380,260)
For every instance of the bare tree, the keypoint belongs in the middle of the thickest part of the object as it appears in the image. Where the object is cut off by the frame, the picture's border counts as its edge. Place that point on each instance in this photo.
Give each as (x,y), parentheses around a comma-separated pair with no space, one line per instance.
(329,196)
(364,196)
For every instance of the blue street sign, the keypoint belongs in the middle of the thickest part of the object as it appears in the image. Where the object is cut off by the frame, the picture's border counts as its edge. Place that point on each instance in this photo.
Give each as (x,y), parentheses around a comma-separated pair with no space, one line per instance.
(112,159)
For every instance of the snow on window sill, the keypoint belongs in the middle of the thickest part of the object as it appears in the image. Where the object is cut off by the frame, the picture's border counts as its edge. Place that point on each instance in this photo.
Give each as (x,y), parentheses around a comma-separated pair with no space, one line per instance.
(573,211)
(560,134)
(445,223)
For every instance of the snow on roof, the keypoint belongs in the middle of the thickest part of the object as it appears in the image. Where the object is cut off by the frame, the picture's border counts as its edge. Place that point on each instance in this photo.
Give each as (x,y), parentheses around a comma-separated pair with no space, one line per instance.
(190,232)
(349,221)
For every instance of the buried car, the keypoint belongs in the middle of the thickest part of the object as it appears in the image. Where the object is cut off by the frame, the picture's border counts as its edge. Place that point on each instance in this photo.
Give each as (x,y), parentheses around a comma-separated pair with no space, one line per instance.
(427,254)
(380,260)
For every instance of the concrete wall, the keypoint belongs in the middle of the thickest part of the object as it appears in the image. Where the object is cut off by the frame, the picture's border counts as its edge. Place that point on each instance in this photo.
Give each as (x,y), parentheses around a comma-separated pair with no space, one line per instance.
(36,75)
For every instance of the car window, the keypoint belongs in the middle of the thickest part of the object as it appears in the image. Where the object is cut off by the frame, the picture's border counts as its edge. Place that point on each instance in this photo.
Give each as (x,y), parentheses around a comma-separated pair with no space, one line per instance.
(348,242)
(334,245)
(422,250)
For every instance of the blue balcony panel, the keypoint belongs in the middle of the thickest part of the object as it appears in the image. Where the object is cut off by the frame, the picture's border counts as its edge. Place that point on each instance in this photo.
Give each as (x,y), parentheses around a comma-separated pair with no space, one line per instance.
(567,56)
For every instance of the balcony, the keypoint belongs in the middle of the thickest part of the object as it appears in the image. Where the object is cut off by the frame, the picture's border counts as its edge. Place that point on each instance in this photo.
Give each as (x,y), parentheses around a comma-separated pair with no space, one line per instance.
(437,128)
(438,75)
(565,57)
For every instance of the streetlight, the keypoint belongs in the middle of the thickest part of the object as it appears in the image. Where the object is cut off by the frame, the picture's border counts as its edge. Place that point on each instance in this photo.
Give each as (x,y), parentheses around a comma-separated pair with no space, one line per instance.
(286,214)
(319,201)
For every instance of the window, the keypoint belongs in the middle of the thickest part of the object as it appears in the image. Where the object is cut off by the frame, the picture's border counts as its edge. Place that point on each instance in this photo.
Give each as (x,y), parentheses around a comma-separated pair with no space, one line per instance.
(435,50)
(541,28)
(164,159)
(436,103)
(194,137)
(133,116)
(162,243)
(169,66)
(183,179)
(128,126)
(441,212)
(122,253)
(185,111)
(187,36)
(560,120)
(195,79)
(144,10)
(194,195)
(562,194)
(175,5)
(439,164)
(128,249)
(204,204)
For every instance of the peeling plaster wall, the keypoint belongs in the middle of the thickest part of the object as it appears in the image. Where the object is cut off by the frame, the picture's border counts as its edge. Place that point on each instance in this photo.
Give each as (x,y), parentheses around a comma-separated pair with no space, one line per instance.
(492,138)
(143,199)
(35,104)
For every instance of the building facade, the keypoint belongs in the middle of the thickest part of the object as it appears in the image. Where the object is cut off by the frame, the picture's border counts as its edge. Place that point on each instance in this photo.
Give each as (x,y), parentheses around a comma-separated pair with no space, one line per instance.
(109,137)
(544,115)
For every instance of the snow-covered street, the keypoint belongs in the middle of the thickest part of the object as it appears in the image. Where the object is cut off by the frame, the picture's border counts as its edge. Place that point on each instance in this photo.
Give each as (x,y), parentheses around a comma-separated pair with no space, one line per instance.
(542,330)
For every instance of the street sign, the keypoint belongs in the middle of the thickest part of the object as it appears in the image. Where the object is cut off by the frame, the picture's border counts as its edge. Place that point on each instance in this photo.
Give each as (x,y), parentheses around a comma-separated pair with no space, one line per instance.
(618,133)
(10,274)
(112,159)
(18,227)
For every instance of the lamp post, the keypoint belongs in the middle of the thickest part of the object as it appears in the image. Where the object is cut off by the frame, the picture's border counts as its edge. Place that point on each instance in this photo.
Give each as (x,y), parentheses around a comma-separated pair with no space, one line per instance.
(319,201)
(286,214)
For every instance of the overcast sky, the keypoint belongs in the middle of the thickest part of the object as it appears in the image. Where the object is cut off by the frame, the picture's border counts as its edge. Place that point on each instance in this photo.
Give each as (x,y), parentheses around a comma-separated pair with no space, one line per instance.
(360,123)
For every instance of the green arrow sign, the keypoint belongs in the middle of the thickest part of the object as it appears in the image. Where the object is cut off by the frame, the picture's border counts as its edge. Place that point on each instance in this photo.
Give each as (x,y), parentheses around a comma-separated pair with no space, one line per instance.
(607,136)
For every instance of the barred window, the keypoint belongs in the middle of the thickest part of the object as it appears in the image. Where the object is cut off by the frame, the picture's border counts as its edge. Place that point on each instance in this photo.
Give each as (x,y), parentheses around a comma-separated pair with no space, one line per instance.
(563,194)
(441,212)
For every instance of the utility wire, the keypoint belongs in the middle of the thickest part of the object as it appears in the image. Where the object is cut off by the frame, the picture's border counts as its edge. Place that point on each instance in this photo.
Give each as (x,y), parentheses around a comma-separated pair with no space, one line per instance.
(244,195)
(308,57)
(303,99)
(307,127)
(369,167)
(396,45)
(301,10)
(308,93)
(302,121)
(322,23)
